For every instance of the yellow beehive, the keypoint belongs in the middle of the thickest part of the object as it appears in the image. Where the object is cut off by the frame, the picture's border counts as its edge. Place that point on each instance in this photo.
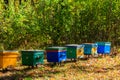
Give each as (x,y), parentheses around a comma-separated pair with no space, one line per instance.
(8,58)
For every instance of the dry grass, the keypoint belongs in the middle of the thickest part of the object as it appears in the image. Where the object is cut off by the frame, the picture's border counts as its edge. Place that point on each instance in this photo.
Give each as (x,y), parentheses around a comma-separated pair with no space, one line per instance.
(107,68)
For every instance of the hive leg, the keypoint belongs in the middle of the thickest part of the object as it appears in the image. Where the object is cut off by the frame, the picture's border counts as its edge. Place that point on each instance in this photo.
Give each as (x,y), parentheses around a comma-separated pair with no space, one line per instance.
(4,69)
(32,66)
(103,55)
(99,55)
(88,56)
(60,63)
(36,65)
(75,60)
(54,63)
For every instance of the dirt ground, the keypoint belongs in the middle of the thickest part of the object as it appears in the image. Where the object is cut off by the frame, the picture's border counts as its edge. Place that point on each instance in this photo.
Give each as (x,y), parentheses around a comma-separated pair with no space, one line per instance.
(105,68)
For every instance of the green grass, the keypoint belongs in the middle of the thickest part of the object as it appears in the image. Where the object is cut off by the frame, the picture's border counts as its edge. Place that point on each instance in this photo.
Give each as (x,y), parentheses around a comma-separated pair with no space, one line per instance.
(28,78)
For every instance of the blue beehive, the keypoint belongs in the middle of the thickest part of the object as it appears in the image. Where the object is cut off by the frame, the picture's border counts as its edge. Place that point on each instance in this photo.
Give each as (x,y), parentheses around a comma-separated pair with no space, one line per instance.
(103,47)
(90,48)
(56,54)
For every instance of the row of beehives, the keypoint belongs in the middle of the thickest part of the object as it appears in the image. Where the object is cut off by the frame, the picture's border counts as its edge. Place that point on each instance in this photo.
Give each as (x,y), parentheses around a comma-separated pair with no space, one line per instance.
(54,54)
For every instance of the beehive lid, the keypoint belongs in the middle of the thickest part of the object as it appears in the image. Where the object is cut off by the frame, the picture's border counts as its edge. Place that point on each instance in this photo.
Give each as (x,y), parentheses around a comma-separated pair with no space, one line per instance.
(8,52)
(103,43)
(56,48)
(81,45)
(74,45)
(89,44)
(32,50)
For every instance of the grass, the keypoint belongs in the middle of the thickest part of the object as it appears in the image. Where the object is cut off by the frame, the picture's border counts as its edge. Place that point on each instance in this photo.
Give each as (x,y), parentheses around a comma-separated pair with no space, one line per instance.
(107,68)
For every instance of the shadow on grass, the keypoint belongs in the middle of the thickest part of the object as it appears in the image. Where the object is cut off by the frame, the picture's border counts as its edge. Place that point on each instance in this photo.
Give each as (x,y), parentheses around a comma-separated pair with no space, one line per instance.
(12,77)
(18,74)
(91,69)
(117,67)
(15,74)
(76,60)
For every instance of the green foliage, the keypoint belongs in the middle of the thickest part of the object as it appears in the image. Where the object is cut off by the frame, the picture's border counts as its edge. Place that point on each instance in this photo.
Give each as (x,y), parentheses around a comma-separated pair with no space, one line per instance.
(57,22)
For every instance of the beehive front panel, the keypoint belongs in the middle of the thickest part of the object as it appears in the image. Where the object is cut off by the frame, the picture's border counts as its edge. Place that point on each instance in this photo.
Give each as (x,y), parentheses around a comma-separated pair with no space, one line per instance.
(9,61)
(87,50)
(52,57)
(8,58)
(100,49)
(71,52)
(27,58)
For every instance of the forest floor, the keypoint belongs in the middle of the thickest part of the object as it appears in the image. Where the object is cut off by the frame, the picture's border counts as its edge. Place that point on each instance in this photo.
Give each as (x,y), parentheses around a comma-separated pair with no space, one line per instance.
(105,68)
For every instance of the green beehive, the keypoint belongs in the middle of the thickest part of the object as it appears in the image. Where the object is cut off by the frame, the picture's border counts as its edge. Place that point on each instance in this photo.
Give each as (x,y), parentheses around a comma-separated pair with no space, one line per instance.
(32,57)
(90,48)
(74,51)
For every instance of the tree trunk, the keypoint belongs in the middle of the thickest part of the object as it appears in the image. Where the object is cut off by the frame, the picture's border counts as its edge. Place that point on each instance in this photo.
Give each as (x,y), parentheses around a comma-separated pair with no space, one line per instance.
(1,4)
(32,3)
(20,1)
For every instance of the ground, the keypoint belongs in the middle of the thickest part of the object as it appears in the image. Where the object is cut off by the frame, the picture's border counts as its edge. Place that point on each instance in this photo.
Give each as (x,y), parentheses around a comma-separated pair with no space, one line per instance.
(105,68)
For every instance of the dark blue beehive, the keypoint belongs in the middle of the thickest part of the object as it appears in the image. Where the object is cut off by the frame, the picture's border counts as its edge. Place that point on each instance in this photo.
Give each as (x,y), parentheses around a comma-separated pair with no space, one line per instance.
(103,47)
(56,54)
